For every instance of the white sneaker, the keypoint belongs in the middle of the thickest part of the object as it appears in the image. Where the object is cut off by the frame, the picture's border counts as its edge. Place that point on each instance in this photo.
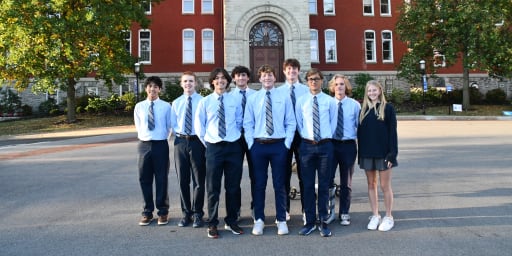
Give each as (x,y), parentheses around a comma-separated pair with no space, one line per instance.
(282,228)
(386,224)
(257,229)
(374,222)
(345,220)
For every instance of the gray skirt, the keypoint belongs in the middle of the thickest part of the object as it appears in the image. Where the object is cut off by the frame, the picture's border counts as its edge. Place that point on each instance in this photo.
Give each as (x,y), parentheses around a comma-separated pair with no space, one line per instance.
(373,164)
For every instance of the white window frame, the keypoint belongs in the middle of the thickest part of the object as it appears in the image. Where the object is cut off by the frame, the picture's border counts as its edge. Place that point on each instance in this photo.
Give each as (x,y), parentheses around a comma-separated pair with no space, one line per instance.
(330,45)
(373,47)
(329,2)
(184,10)
(313,44)
(128,39)
(390,41)
(208,47)
(189,48)
(312,7)
(142,41)
(366,4)
(385,3)
(148,7)
(205,11)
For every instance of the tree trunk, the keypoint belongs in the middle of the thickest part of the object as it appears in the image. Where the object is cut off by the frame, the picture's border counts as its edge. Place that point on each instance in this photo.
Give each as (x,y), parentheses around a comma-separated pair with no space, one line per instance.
(71,101)
(465,89)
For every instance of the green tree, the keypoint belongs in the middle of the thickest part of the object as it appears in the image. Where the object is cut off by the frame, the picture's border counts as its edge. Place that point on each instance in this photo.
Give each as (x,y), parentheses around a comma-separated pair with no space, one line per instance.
(53,43)
(476,33)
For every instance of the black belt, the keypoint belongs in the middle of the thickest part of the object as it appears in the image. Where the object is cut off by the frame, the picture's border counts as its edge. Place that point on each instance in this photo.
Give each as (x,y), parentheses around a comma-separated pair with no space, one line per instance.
(316,142)
(267,141)
(187,137)
(153,141)
(345,141)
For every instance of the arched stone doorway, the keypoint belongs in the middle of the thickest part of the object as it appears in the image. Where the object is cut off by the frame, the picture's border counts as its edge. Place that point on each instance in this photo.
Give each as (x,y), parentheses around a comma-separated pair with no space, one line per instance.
(266,43)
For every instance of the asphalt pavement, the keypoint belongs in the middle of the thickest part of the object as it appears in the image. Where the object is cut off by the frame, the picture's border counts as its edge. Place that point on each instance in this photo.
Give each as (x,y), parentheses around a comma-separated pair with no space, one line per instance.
(76,193)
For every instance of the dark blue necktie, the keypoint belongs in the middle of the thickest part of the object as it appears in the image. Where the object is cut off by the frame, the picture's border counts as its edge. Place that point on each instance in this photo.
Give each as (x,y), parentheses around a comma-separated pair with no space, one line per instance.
(222,121)
(244,100)
(188,117)
(269,124)
(339,125)
(316,120)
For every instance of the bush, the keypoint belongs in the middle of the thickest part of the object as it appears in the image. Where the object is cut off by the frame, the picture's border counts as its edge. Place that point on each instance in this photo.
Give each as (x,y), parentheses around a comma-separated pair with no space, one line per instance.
(129,101)
(26,110)
(48,107)
(109,105)
(171,92)
(205,91)
(10,102)
(360,79)
(397,96)
(496,96)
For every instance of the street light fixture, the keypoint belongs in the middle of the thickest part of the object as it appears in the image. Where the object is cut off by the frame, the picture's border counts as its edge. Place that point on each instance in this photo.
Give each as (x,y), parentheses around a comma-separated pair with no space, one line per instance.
(423,83)
(136,69)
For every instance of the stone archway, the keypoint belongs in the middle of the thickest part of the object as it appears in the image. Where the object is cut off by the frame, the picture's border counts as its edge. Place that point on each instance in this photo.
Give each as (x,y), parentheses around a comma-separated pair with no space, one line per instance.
(266,43)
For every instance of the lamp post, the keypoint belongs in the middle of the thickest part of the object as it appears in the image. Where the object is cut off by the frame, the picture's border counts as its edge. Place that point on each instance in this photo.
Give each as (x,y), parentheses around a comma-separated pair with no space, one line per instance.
(423,83)
(136,69)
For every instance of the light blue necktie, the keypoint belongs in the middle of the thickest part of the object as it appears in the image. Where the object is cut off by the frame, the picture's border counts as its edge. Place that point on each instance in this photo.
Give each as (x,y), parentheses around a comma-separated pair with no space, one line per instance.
(316,120)
(151,117)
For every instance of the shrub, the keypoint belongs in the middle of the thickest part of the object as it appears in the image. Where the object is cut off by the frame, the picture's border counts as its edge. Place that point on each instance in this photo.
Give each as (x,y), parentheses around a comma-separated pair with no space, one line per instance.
(496,96)
(205,91)
(10,102)
(360,79)
(26,110)
(397,96)
(48,107)
(129,101)
(171,92)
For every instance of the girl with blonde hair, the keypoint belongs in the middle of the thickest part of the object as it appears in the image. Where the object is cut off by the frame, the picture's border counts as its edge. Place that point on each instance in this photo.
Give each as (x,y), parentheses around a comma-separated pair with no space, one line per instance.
(378,149)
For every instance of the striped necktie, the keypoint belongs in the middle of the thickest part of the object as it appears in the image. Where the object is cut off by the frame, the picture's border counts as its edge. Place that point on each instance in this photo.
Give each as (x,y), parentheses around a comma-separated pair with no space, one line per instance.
(188,117)
(269,124)
(292,95)
(316,120)
(222,121)
(339,125)
(244,100)
(151,117)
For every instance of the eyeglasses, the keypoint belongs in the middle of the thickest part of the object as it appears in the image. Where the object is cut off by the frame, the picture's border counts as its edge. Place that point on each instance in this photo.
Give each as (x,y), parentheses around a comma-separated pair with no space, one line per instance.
(316,79)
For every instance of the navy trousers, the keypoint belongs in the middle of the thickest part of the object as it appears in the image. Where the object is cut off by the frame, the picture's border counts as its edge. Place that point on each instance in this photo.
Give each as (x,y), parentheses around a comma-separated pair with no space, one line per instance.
(153,162)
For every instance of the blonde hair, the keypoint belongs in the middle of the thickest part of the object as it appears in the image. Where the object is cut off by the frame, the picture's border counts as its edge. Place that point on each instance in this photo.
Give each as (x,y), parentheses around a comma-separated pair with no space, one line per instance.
(348,85)
(368,105)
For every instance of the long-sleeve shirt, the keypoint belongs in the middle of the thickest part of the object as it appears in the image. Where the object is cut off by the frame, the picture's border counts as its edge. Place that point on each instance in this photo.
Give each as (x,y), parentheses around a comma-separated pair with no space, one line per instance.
(206,120)
(282,116)
(178,113)
(377,138)
(328,115)
(162,116)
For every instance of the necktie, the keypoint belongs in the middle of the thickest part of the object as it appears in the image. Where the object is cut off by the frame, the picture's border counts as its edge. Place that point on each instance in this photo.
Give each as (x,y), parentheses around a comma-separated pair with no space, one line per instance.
(188,117)
(151,117)
(222,121)
(244,100)
(339,126)
(292,95)
(316,120)
(269,124)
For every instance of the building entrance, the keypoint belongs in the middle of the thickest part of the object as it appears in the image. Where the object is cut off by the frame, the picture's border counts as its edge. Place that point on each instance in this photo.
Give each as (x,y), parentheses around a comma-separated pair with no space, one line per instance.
(266,47)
